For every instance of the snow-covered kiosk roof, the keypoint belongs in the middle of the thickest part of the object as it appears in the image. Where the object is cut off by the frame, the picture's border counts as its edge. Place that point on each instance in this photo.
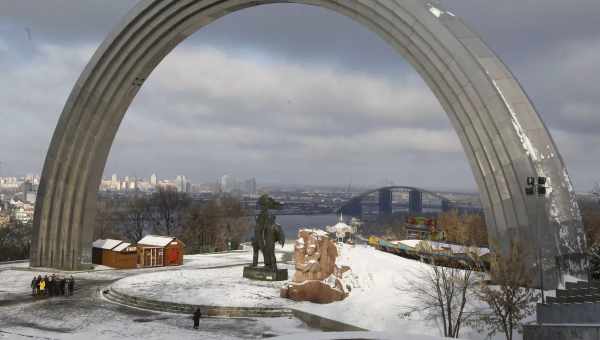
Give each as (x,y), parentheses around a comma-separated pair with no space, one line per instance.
(122,246)
(107,244)
(340,229)
(317,232)
(442,246)
(156,241)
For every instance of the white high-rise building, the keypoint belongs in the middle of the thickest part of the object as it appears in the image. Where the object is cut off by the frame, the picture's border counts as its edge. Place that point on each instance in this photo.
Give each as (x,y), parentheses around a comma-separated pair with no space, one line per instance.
(153,180)
(228,183)
(250,187)
(114,182)
(182,184)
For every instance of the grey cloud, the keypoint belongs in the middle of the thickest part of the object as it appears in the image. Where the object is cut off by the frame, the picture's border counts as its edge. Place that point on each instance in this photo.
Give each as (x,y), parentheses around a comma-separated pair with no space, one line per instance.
(61,21)
(297,99)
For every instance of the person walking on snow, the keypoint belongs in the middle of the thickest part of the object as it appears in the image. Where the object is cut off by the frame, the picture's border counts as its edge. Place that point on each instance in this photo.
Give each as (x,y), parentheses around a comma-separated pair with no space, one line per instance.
(197,315)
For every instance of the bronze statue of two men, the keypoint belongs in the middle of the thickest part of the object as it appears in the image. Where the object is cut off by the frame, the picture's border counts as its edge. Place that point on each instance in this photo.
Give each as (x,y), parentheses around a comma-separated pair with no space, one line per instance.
(267,233)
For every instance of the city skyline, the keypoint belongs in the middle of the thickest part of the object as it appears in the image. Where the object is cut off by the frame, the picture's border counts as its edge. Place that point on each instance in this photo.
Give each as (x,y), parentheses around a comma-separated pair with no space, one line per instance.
(15,181)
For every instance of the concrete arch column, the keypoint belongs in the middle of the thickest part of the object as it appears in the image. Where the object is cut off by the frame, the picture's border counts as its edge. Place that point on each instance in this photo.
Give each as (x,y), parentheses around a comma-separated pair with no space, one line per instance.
(502,134)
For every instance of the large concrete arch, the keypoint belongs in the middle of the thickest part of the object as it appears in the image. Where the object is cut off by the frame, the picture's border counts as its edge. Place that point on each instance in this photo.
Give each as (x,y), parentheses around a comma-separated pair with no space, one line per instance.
(501,132)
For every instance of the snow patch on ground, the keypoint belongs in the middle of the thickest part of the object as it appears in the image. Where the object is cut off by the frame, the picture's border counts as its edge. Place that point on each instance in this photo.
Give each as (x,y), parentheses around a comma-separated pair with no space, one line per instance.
(375,301)
(212,287)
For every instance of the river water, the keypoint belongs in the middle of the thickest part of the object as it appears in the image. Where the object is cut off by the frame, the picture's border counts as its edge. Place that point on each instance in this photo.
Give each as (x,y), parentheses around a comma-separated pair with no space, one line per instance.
(292,223)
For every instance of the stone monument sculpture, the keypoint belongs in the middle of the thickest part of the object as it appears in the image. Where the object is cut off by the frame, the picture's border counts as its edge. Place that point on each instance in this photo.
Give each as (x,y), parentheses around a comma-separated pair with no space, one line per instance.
(317,277)
(266,234)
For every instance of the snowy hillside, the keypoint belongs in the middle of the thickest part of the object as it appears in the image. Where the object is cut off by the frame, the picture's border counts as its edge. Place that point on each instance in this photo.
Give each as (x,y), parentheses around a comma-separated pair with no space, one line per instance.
(375,302)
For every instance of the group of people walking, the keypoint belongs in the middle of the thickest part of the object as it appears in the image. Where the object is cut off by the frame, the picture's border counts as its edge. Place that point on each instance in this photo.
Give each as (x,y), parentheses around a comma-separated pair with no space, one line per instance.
(52,285)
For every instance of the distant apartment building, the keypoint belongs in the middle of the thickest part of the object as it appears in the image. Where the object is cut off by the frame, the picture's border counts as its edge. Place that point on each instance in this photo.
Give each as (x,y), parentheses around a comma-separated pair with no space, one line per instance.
(182,184)
(231,185)
(21,211)
(249,187)
(153,180)
(30,196)
(10,183)
(134,184)
(228,183)
(4,219)
(114,183)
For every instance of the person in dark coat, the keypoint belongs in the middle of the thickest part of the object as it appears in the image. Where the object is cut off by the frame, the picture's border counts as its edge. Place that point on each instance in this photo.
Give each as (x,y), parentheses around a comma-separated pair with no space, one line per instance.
(62,285)
(55,285)
(50,285)
(197,315)
(34,286)
(71,285)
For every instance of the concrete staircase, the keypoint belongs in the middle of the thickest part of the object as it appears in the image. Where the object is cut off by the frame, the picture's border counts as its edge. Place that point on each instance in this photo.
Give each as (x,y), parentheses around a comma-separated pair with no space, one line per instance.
(311,320)
(211,311)
(573,314)
(576,292)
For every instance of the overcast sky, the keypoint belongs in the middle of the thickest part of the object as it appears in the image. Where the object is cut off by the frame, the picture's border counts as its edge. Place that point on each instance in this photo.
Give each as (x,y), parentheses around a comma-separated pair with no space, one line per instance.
(295,94)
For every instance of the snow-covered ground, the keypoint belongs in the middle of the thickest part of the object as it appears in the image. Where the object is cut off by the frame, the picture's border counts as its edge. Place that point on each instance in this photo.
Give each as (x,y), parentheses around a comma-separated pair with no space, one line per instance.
(352,335)
(103,320)
(87,316)
(15,278)
(15,283)
(375,302)
(213,287)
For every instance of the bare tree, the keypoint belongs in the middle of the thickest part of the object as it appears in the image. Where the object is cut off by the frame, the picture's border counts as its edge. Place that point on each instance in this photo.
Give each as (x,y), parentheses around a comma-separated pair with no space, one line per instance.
(508,299)
(215,224)
(467,229)
(590,213)
(203,232)
(107,219)
(15,240)
(169,207)
(136,217)
(443,293)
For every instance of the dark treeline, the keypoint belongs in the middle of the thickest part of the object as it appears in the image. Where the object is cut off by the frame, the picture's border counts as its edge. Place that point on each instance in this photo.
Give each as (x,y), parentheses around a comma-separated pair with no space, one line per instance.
(217,224)
(15,241)
(590,213)
(458,227)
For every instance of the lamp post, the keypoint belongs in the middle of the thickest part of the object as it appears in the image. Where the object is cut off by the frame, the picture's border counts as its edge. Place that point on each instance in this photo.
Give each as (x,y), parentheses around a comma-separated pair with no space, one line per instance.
(536,186)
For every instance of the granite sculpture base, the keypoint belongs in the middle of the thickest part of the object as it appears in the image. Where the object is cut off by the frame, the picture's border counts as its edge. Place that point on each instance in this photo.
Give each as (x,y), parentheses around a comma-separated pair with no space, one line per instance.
(265,274)
(313,291)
